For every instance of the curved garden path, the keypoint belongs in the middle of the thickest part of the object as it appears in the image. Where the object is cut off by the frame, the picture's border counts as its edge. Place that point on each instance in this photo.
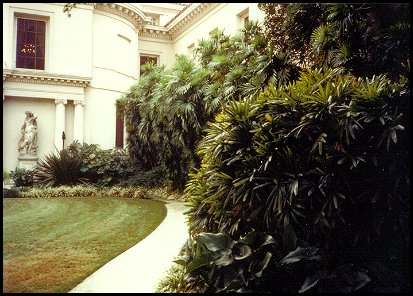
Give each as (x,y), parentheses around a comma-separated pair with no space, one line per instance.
(140,268)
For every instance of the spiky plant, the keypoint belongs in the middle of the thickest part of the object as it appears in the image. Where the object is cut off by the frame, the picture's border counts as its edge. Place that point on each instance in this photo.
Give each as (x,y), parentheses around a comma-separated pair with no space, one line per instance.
(61,168)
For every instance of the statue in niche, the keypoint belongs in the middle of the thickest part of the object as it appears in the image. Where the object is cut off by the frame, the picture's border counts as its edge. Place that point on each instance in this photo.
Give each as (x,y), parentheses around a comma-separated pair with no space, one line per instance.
(28,140)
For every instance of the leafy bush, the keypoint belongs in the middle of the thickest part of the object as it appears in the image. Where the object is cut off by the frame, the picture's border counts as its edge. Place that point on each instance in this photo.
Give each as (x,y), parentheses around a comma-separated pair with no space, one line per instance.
(22,177)
(103,167)
(321,160)
(61,168)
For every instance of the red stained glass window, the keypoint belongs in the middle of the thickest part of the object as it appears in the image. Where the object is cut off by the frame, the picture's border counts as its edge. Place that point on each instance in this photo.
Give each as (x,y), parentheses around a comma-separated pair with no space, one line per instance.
(30,49)
(119,128)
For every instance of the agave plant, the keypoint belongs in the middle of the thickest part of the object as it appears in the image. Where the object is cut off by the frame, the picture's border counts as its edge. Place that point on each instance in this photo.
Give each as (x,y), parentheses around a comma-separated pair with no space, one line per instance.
(61,168)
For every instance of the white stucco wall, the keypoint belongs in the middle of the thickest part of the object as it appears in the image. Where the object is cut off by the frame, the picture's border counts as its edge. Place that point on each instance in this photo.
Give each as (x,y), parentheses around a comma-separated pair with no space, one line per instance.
(225,16)
(161,48)
(115,69)
(13,118)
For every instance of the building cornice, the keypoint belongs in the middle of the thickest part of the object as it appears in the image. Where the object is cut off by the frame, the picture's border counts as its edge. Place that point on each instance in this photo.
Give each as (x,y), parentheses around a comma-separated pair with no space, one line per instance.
(170,31)
(188,16)
(124,10)
(44,78)
(157,32)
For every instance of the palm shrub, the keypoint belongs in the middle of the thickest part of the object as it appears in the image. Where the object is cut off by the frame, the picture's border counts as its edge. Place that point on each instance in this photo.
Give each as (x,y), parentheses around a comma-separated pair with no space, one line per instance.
(167,110)
(140,107)
(321,160)
(365,38)
(103,167)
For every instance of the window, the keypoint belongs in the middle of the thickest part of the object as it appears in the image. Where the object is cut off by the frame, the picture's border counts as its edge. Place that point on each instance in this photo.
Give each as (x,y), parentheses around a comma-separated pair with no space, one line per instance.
(30,48)
(244,17)
(146,59)
(119,128)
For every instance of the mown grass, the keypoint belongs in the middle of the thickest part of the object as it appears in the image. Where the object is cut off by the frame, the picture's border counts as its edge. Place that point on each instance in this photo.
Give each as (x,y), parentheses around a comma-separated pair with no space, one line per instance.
(51,245)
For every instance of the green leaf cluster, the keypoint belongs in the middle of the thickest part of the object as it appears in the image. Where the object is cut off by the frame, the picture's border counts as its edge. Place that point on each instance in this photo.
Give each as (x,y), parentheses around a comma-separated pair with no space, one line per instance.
(321,160)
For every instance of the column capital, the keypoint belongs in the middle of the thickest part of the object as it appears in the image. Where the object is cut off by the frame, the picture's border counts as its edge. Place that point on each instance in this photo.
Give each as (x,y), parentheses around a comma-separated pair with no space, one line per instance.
(60,101)
(79,102)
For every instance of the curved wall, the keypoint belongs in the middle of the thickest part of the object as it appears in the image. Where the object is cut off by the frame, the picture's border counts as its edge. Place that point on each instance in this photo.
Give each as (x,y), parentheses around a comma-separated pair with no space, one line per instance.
(114,70)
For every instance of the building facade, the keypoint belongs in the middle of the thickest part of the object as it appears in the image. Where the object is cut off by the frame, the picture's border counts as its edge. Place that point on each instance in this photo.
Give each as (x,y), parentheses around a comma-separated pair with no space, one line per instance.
(69,71)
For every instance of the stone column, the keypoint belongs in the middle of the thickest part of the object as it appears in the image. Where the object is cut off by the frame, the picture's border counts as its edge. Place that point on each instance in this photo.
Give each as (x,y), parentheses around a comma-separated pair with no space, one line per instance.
(78,121)
(60,122)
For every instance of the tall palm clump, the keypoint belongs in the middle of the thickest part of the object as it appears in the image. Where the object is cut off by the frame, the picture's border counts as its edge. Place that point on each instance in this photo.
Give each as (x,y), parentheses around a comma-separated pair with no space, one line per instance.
(365,38)
(167,110)
(140,108)
(319,162)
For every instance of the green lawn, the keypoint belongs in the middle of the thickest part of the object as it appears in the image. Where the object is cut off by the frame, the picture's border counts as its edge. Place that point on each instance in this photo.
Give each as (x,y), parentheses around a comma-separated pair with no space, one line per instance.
(51,245)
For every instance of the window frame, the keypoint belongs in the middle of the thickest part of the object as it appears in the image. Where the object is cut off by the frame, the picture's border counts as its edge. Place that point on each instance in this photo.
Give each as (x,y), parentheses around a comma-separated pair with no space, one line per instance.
(158,58)
(43,18)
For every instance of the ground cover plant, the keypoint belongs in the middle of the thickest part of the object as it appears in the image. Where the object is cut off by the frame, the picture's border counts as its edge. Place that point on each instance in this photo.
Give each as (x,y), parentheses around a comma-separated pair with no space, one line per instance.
(51,245)
(85,191)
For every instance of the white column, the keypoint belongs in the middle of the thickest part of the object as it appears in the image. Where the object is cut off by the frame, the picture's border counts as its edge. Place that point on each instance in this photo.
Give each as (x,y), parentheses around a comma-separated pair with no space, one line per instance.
(78,121)
(60,122)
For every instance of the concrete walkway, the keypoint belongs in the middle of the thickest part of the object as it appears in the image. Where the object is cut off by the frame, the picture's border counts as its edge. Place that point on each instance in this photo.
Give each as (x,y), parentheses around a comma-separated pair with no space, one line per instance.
(140,268)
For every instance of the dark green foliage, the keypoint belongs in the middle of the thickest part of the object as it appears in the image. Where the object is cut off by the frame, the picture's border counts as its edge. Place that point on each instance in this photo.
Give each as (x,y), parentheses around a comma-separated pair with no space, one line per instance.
(365,38)
(321,160)
(103,167)
(22,177)
(154,177)
(61,168)
(167,110)
(257,263)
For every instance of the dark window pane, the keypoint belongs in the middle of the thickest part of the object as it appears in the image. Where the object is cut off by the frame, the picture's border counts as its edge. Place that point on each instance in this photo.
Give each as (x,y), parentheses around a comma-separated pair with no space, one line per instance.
(39,39)
(39,52)
(40,27)
(20,24)
(20,61)
(30,63)
(40,64)
(30,37)
(30,25)
(30,44)
(119,129)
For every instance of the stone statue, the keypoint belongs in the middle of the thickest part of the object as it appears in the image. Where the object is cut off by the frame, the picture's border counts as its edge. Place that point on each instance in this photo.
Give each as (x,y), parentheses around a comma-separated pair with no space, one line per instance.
(28,140)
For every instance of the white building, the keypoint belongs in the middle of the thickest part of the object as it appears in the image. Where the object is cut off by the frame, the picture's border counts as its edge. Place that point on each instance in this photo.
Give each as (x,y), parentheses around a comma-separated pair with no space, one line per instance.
(69,71)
